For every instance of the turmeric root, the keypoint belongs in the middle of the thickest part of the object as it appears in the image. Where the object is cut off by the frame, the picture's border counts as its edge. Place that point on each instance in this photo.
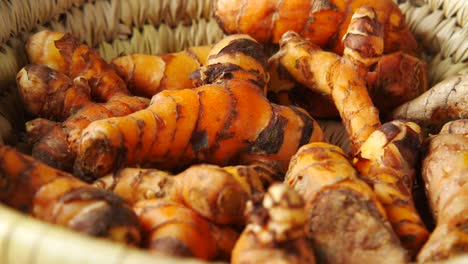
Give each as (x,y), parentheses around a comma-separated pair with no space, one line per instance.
(218,194)
(397,78)
(445,174)
(51,94)
(393,78)
(323,23)
(173,229)
(234,52)
(65,53)
(446,101)
(59,198)
(58,147)
(146,75)
(387,161)
(364,38)
(275,231)
(344,218)
(182,127)
(340,77)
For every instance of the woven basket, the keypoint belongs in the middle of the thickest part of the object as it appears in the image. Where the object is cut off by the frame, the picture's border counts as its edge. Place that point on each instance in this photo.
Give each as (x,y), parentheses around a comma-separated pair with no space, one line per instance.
(117,27)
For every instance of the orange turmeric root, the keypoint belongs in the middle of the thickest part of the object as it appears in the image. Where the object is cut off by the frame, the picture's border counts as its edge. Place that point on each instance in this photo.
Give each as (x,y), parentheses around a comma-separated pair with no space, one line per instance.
(275,231)
(344,218)
(230,54)
(59,198)
(173,229)
(216,193)
(65,53)
(58,147)
(387,161)
(322,22)
(330,74)
(146,75)
(392,78)
(54,142)
(397,78)
(182,127)
(50,94)
(445,175)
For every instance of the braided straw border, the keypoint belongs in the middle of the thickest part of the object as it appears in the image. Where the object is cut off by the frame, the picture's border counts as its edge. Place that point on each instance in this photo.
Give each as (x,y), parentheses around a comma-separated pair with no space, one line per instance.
(442,28)
(147,39)
(95,21)
(107,24)
(22,15)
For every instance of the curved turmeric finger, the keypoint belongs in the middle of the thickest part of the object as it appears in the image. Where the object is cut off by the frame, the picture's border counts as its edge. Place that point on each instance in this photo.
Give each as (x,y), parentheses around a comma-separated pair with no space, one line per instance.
(59,198)
(147,75)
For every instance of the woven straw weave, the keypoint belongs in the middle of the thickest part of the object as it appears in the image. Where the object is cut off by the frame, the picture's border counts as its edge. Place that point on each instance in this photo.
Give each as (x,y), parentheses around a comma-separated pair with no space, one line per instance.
(117,27)
(113,26)
(442,28)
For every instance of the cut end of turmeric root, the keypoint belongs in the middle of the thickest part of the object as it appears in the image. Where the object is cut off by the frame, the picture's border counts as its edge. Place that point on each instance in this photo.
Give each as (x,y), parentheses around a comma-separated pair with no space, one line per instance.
(342,218)
(50,94)
(275,229)
(41,49)
(345,220)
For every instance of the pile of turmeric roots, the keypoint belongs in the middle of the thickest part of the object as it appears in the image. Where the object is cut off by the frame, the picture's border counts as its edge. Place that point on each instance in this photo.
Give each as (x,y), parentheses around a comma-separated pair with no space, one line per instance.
(219,152)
